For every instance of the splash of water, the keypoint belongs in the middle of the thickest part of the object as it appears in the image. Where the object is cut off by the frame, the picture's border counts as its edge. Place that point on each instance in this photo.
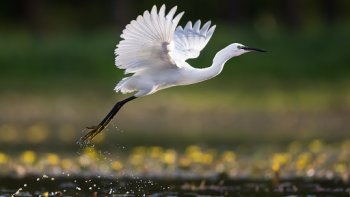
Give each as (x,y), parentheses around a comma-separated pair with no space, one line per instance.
(17,192)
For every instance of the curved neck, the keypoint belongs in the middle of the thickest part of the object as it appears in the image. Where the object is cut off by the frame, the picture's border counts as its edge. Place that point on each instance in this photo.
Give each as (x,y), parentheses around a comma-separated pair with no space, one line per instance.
(218,64)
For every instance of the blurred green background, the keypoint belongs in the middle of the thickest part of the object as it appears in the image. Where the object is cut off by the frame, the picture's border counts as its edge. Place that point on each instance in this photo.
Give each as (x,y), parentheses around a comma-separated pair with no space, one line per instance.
(57,75)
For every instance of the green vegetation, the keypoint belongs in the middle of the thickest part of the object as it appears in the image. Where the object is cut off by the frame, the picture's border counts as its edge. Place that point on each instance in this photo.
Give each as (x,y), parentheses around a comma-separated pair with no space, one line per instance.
(300,86)
(295,58)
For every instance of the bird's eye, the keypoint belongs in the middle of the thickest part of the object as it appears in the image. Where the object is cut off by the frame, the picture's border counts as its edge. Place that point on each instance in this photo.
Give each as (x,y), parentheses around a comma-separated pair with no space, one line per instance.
(239,47)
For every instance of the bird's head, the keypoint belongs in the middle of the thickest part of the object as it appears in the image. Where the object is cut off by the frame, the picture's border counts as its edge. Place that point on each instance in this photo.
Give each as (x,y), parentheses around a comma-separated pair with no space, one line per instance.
(237,49)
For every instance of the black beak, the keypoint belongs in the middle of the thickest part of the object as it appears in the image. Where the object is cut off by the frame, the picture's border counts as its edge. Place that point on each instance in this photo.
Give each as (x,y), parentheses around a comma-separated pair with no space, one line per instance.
(253,49)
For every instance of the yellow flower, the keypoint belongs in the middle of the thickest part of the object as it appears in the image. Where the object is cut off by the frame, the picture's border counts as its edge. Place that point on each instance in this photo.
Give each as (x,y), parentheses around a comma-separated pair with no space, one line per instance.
(156,151)
(45,194)
(228,156)
(278,160)
(3,158)
(136,159)
(275,167)
(281,158)
(303,160)
(169,157)
(192,149)
(52,159)
(28,157)
(66,164)
(184,162)
(117,165)
(90,152)
(194,153)
(207,158)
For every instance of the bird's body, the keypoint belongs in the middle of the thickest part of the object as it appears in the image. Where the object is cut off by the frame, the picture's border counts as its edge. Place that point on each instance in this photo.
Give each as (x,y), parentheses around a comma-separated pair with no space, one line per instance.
(154,50)
(151,80)
(155,80)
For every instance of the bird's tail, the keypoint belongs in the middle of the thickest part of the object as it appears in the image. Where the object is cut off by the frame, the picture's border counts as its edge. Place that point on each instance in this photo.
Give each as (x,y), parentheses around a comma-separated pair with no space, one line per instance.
(123,86)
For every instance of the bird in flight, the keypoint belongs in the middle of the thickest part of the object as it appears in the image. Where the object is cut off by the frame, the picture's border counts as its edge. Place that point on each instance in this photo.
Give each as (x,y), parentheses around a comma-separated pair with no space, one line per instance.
(154,50)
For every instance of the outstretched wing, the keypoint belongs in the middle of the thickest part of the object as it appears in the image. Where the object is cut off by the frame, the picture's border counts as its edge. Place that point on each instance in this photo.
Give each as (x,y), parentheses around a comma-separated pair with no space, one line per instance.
(147,41)
(189,41)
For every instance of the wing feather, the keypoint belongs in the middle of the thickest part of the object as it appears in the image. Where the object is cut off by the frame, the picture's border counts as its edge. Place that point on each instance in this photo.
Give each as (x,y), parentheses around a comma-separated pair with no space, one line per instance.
(153,41)
(146,41)
(191,39)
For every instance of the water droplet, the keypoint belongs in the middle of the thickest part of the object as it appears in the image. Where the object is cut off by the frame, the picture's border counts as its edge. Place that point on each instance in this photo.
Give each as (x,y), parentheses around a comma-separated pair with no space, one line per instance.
(78,188)
(17,192)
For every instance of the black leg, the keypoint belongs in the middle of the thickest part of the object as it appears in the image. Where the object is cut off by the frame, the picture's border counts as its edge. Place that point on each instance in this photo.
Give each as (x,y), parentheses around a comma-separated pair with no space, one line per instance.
(94,130)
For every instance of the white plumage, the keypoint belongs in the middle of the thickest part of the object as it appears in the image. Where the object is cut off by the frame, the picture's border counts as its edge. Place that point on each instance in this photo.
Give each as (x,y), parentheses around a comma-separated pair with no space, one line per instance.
(153,45)
(154,50)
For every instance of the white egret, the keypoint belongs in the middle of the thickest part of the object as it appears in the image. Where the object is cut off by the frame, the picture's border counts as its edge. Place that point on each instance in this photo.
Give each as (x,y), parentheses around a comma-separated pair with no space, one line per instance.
(154,50)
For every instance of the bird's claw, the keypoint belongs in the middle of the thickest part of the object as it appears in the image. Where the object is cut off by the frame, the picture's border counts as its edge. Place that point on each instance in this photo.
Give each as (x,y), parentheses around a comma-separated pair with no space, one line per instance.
(92,131)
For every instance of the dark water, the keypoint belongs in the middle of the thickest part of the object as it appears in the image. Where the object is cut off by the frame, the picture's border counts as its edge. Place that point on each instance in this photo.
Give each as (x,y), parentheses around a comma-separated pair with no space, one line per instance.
(102,186)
